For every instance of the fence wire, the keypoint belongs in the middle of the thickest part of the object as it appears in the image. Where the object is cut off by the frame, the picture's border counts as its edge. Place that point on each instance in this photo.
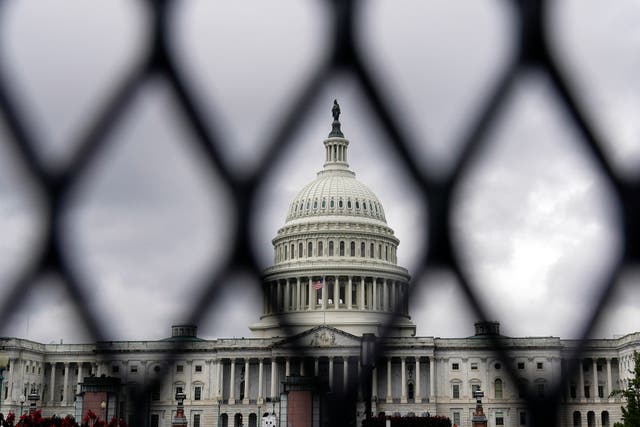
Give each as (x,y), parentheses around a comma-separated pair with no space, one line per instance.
(346,57)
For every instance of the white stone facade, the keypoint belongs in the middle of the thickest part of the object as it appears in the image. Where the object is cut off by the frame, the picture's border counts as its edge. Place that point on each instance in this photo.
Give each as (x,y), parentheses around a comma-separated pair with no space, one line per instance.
(335,277)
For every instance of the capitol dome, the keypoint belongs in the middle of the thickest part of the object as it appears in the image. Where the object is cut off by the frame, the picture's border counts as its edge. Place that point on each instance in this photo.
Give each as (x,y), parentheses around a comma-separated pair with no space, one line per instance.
(335,257)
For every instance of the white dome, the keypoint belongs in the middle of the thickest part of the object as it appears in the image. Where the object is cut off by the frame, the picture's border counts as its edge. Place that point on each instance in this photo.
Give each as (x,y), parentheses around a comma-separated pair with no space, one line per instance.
(336,192)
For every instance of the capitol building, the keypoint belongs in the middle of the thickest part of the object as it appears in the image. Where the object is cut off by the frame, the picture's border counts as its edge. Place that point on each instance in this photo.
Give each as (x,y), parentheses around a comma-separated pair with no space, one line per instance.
(335,278)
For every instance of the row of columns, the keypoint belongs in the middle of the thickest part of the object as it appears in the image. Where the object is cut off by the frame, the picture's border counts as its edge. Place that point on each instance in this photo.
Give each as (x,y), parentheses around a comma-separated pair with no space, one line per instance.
(313,248)
(285,296)
(580,392)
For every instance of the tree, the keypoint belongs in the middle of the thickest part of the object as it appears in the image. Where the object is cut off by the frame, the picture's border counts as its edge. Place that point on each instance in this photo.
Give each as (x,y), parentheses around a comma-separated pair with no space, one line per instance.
(631,414)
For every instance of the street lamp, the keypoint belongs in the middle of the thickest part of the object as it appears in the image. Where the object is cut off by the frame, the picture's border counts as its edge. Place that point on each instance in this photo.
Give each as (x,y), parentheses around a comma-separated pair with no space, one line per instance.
(21,399)
(103,407)
(180,420)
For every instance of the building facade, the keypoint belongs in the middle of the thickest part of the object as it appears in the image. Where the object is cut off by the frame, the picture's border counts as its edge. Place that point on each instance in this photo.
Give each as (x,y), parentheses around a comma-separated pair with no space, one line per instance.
(335,278)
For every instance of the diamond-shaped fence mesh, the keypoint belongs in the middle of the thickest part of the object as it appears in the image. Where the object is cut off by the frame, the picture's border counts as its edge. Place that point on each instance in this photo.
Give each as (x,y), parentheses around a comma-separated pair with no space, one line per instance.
(159,61)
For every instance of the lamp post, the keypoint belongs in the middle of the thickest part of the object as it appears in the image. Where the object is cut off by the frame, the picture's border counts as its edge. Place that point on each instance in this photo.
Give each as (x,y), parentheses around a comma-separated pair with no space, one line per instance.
(4,363)
(103,409)
(368,362)
(180,420)
(33,398)
(21,399)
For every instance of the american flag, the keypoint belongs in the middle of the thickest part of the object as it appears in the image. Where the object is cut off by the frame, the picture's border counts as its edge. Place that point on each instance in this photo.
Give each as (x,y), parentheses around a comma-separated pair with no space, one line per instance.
(318,284)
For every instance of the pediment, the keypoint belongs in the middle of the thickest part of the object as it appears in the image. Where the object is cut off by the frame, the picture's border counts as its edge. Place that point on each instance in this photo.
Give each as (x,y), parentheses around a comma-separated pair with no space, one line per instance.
(320,336)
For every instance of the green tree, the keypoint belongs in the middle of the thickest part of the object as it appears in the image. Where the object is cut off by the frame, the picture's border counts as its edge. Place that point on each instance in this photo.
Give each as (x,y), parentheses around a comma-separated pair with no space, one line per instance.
(631,414)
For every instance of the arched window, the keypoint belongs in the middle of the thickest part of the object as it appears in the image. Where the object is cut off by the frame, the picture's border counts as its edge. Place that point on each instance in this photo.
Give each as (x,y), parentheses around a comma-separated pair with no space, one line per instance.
(386,253)
(577,419)
(332,204)
(364,205)
(604,418)
(591,419)
(497,388)
(324,203)
(348,203)
(320,249)
(357,204)
(292,249)
(362,249)
(340,203)
(225,420)
(352,249)
(379,251)
(300,249)
(341,248)
(285,252)
(371,251)
(309,249)
(331,248)
(315,204)
(308,203)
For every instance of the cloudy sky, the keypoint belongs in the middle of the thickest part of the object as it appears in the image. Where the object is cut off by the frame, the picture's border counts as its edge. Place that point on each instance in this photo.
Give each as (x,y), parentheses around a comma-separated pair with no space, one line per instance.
(534,220)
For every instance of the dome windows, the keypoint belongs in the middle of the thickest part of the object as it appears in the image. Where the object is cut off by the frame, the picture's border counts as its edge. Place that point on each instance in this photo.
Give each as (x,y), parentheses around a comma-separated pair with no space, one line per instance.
(352,249)
(340,203)
(348,203)
(315,204)
(332,203)
(320,248)
(362,249)
(357,204)
(308,201)
(300,249)
(324,203)
(309,249)
(330,248)
(341,248)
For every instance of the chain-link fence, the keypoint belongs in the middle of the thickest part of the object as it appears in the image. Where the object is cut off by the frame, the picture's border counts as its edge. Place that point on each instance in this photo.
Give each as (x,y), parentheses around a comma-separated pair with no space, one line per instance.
(159,61)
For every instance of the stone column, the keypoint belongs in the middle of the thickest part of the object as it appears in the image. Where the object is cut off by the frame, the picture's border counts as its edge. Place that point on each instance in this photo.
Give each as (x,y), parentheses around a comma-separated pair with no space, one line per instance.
(330,371)
(232,383)
(403,376)
(247,375)
(389,396)
(394,299)
(287,367)
(595,377)
(287,295)
(345,373)
(79,379)
(278,307)
(362,293)
(385,295)
(210,393)
(189,379)
(274,378)
(374,299)
(302,366)
(311,296)
(11,378)
(416,393)
(316,366)
(432,379)
(260,373)
(580,380)
(609,390)
(348,294)
(336,292)
(298,295)
(220,390)
(65,391)
(325,288)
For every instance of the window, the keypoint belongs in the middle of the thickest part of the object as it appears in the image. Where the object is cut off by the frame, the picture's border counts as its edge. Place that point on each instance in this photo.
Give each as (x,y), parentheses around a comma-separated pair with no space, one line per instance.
(474,366)
(539,365)
(455,366)
(197,393)
(155,394)
(198,368)
(371,251)
(357,204)
(523,418)
(352,249)
(379,251)
(362,249)
(456,418)
(600,391)
(456,391)
(134,368)
(115,369)
(332,204)
(300,249)
(587,393)
(320,248)
(309,249)
(315,204)
(196,420)
(179,368)
(499,419)
(522,389)
(497,388)
(520,365)
(340,203)
(285,252)
(349,203)
(341,248)
(572,391)
(540,389)
(330,248)
(324,203)
(293,247)
(497,366)
(386,253)
(155,420)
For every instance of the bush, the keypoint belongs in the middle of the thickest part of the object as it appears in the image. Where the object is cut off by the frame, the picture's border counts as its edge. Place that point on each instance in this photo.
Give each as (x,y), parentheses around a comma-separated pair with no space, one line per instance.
(435,421)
